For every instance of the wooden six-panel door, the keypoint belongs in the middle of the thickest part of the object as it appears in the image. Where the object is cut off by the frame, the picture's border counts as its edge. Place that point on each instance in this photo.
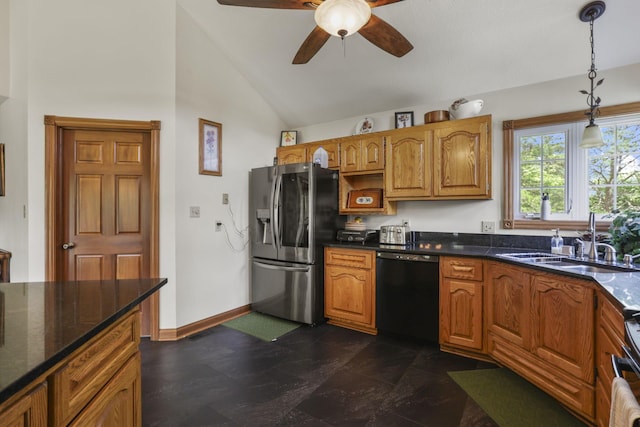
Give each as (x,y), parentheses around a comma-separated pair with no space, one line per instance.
(106,196)
(102,204)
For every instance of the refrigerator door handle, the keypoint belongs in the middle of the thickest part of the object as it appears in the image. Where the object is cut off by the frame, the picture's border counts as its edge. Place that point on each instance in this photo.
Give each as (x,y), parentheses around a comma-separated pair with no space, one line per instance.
(275,211)
(281,267)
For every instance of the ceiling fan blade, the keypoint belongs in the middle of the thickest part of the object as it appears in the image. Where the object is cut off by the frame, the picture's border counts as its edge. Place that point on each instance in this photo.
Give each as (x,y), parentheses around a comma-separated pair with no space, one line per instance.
(269,4)
(387,38)
(292,4)
(315,40)
(378,3)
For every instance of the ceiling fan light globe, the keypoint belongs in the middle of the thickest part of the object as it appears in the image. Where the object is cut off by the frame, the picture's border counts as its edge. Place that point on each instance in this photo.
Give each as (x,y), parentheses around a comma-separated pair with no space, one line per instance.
(592,137)
(338,16)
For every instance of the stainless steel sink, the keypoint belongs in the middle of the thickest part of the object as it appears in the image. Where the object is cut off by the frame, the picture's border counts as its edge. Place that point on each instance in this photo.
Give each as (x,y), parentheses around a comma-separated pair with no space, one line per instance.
(584,268)
(533,257)
(562,262)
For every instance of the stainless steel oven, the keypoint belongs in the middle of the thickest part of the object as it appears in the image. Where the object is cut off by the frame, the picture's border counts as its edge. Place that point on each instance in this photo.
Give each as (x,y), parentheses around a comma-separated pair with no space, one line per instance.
(407,295)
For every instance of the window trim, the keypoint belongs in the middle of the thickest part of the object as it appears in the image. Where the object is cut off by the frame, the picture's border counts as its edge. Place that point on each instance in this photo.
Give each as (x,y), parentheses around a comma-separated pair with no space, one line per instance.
(508,129)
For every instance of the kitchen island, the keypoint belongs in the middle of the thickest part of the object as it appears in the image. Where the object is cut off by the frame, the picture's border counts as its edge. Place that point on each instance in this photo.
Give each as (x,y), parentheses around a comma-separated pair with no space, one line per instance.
(69,351)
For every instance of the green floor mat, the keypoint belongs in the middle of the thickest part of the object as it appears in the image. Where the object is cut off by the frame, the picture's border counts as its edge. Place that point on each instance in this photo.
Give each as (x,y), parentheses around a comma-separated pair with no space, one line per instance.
(512,401)
(267,328)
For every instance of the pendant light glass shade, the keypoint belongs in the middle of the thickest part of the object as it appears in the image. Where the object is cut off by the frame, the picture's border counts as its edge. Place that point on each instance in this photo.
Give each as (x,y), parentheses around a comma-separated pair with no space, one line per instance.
(592,137)
(342,18)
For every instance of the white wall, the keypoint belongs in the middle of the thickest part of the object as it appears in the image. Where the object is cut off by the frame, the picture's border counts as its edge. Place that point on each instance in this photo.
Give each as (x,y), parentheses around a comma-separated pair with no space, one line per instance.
(14,232)
(5,29)
(212,274)
(621,85)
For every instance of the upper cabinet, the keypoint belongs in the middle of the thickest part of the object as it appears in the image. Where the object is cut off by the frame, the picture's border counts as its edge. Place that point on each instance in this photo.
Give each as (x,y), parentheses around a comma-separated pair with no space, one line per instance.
(445,160)
(292,154)
(408,157)
(461,159)
(302,153)
(362,153)
(448,160)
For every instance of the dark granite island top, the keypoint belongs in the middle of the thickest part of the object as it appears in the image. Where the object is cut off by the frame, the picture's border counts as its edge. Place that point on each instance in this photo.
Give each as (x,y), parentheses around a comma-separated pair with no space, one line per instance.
(42,323)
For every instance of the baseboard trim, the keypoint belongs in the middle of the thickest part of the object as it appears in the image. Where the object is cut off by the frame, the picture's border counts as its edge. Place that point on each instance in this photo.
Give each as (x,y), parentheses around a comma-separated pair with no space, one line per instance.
(201,325)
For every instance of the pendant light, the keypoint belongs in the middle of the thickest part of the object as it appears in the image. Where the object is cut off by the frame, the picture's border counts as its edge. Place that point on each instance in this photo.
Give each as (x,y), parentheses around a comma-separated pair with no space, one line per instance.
(592,137)
(342,18)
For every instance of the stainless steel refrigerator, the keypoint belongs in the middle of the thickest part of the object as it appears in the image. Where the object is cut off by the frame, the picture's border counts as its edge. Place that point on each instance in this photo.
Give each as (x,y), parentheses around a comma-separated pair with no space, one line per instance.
(293,210)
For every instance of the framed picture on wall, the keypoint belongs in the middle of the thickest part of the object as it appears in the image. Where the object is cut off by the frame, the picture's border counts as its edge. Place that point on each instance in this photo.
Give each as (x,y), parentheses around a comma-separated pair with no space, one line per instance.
(288,137)
(404,119)
(210,148)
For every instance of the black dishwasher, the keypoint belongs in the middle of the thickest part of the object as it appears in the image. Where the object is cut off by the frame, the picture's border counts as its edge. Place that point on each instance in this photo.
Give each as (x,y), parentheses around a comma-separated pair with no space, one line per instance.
(407,295)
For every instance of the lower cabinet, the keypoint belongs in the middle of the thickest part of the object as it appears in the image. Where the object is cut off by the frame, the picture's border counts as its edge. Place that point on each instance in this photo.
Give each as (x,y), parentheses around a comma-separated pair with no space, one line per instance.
(28,410)
(97,384)
(349,288)
(542,327)
(461,304)
(610,339)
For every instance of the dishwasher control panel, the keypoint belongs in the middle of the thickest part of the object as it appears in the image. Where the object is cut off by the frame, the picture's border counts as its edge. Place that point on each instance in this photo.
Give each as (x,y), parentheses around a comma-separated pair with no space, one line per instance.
(407,257)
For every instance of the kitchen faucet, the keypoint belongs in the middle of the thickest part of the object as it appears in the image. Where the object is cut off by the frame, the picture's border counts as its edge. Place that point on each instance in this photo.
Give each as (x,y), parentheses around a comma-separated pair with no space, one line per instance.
(610,251)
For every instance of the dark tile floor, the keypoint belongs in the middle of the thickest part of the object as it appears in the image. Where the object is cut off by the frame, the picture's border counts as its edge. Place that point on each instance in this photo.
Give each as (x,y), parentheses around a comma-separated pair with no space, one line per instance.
(322,376)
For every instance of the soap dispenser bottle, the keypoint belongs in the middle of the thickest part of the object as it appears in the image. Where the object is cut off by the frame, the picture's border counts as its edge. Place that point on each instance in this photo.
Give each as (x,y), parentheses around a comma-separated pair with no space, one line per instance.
(556,242)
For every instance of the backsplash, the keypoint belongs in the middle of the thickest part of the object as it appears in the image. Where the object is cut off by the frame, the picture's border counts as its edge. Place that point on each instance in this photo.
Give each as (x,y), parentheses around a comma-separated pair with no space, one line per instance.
(488,240)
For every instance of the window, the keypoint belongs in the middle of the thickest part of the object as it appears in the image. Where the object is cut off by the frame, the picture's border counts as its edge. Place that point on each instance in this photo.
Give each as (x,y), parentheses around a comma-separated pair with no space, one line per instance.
(541,155)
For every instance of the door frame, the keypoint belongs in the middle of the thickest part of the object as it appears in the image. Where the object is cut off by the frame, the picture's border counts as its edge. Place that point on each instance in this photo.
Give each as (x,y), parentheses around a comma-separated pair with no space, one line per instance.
(54,129)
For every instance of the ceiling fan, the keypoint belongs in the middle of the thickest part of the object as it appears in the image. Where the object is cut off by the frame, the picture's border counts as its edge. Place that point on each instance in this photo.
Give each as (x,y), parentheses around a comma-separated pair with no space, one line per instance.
(372,28)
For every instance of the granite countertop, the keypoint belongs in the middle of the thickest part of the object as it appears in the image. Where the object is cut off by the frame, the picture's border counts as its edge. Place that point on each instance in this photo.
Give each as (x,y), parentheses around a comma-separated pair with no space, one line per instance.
(623,286)
(42,323)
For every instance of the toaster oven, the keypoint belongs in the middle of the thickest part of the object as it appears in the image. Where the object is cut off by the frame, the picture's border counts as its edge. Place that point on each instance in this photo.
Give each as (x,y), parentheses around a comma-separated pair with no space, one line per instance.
(395,235)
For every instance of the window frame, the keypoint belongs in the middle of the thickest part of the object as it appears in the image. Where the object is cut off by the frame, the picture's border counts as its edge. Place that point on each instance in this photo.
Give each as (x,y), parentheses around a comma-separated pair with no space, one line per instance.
(508,130)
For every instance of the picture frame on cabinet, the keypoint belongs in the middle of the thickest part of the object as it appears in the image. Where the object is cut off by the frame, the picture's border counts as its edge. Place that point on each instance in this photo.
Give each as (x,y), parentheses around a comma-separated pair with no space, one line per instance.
(210,147)
(2,193)
(404,119)
(288,137)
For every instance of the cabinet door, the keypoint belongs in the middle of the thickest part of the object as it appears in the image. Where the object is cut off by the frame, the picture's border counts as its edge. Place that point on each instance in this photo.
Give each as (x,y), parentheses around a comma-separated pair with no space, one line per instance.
(119,403)
(461,159)
(349,294)
(331,147)
(508,303)
(563,324)
(350,155)
(371,153)
(408,163)
(461,313)
(29,411)
(292,154)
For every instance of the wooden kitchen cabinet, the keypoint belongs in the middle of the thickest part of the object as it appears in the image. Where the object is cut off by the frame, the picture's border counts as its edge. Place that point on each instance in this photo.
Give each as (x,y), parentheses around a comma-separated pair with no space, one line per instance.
(407,163)
(542,327)
(461,304)
(349,288)
(440,161)
(28,410)
(562,314)
(363,180)
(609,341)
(292,154)
(462,159)
(332,147)
(119,402)
(89,375)
(362,153)
(302,153)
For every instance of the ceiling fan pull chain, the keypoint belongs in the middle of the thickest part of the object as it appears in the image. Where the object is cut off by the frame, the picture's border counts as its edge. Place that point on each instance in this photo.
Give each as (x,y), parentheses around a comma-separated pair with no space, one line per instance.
(344,48)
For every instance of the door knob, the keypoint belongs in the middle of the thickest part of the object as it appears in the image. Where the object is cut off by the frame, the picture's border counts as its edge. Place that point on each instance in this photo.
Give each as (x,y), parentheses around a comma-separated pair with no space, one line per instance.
(68,245)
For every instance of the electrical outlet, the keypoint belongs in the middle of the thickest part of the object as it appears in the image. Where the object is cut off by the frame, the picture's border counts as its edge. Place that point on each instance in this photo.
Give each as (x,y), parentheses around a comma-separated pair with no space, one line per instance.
(406,222)
(218,225)
(488,227)
(194,211)
(225,198)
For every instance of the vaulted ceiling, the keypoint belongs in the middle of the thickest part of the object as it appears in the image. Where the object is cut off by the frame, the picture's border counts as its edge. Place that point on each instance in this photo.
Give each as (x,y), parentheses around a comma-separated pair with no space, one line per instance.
(461,48)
